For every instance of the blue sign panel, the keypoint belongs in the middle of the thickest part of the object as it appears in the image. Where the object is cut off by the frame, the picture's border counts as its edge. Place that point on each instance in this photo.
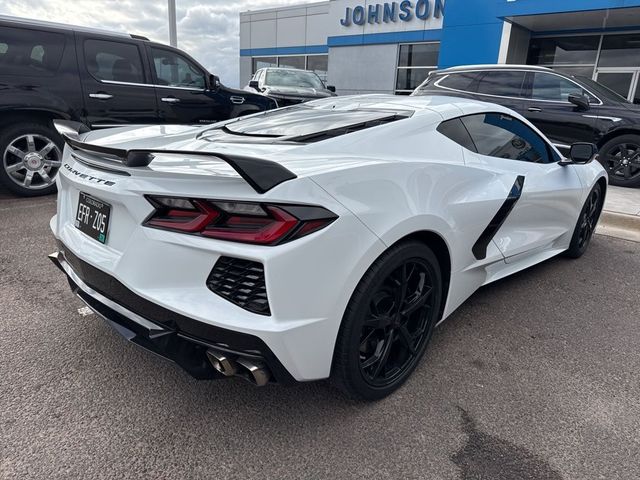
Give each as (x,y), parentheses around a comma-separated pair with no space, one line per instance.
(403,11)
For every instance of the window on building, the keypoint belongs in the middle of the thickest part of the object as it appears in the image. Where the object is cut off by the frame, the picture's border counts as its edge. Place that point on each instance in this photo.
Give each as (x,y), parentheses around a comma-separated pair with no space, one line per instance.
(503,136)
(298,61)
(30,52)
(415,61)
(315,63)
(620,50)
(319,64)
(116,61)
(574,55)
(262,62)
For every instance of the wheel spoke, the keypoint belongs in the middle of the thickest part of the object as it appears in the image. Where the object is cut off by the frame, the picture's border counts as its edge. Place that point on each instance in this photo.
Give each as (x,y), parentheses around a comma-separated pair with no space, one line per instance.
(376,355)
(16,151)
(47,148)
(31,143)
(407,339)
(403,286)
(45,176)
(377,321)
(28,178)
(52,163)
(417,303)
(384,354)
(364,341)
(14,168)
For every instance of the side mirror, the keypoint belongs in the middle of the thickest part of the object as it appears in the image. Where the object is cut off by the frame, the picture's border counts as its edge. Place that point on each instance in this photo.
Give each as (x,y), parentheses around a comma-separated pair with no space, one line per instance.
(331,88)
(580,101)
(214,81)
(254,84)
(581,152)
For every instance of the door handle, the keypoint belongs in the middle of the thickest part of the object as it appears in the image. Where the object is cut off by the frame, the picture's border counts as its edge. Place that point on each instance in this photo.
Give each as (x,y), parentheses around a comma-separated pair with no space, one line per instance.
(534,109)
(170,99)
(101,96)
(237,100)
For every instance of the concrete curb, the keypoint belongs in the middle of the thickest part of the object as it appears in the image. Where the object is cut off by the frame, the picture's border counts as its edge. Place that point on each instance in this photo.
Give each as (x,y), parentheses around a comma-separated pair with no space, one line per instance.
(619,225)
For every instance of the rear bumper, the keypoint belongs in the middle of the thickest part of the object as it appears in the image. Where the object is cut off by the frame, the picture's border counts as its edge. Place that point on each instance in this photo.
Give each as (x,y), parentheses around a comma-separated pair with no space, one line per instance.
(171,335)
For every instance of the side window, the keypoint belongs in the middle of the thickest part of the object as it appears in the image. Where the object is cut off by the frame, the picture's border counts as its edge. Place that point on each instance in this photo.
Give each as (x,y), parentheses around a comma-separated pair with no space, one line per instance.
(502,136)
(553,87)
(30,52)
(176,71)
(504,84)
(465,81)
(115,61)
(455,130)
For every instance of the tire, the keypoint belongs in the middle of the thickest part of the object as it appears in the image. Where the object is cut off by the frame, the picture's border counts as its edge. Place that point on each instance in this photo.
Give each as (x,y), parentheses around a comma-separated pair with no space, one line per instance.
(372,331)
(586,224)
(620,156)
(30,156)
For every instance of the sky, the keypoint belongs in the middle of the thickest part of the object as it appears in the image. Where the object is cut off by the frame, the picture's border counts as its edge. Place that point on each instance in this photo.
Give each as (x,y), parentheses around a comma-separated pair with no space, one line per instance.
(207,30)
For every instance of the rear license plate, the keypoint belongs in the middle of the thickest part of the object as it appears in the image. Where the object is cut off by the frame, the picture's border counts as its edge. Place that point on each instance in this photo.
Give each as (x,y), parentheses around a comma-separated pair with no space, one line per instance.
(92,217)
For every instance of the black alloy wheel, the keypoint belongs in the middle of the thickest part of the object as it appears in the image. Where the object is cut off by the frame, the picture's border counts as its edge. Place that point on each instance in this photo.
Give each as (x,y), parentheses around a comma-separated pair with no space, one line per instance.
(621,158)
(388,322)
(396,324)
(587,222)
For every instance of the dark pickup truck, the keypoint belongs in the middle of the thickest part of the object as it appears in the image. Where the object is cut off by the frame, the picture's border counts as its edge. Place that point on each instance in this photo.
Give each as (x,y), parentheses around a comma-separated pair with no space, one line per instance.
(101,79)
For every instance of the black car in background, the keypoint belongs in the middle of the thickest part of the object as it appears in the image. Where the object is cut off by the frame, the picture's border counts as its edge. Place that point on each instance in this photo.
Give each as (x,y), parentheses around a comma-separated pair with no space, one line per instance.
(102,79)
(565,108)
(289,86)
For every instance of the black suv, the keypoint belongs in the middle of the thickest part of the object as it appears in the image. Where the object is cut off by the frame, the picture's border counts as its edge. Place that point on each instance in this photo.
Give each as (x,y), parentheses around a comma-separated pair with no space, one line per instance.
(565,108)
(101,79)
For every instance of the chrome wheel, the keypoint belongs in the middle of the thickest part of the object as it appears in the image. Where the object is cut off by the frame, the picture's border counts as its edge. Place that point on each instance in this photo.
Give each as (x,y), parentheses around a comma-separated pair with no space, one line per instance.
(397,323)
(31,161)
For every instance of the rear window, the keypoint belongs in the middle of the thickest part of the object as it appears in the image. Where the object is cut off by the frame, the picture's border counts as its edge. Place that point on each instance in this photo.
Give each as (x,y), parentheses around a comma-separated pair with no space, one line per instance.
(115,61)
(306,124)
(465,81)
(27,52)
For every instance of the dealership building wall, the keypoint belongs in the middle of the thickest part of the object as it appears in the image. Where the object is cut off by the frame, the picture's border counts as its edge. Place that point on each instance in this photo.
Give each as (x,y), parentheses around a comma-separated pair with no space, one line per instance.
(389,47)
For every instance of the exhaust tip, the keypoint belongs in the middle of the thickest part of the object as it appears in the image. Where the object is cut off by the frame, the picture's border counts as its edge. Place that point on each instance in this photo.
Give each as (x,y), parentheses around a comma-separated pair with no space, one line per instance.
(222,363)
(258,373)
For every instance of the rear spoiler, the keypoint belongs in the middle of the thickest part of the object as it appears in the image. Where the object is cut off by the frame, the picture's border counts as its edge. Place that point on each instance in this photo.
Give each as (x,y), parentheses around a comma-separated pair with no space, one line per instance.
(261,174)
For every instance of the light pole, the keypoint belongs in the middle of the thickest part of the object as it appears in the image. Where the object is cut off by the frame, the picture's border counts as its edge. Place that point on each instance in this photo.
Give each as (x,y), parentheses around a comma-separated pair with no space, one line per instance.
(173,33)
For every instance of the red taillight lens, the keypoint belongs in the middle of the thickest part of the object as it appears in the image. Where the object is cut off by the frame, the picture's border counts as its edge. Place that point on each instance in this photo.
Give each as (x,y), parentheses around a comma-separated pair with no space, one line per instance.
(263,224)
(185,216)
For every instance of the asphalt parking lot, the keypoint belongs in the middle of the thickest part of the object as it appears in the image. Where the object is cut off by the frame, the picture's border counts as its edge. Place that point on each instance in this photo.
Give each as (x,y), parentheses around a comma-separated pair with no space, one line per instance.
(535,377)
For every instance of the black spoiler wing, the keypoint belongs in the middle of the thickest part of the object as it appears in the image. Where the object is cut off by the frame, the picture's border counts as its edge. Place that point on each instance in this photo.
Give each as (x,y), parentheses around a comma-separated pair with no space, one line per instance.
(261,174)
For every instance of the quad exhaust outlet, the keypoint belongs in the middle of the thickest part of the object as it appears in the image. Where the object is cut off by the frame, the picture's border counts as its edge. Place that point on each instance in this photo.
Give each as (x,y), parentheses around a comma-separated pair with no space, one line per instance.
(254,371)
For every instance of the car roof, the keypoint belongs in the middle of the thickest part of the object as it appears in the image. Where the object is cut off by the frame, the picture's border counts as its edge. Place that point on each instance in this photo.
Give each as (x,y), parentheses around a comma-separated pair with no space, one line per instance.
(466,68)
(29,22)
(287,68)
(438,106)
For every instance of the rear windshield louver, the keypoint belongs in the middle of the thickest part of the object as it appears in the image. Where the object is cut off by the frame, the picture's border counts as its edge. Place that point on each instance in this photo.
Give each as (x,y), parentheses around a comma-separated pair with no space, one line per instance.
(336,132)
(241,282)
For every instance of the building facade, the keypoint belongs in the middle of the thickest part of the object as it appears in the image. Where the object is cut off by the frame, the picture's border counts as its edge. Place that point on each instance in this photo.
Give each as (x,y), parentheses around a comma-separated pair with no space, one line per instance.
(363,46)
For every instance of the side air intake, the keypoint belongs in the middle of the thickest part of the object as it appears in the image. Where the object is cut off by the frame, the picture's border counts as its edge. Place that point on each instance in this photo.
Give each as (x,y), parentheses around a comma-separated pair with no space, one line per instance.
(241,282)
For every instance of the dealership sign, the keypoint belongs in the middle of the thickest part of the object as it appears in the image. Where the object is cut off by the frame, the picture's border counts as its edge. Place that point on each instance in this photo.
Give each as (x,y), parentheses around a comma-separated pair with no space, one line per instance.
(387,12)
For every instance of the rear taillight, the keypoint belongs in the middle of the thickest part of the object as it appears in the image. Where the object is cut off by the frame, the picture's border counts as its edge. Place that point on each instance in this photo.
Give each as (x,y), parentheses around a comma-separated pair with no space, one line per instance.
(259,223)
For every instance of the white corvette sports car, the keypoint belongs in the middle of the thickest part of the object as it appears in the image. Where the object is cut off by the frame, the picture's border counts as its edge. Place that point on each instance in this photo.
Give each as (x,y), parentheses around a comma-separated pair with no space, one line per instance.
(320,240)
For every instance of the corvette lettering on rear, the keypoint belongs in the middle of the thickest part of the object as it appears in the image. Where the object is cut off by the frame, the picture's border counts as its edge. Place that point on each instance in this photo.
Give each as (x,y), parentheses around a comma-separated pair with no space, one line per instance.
(86,176)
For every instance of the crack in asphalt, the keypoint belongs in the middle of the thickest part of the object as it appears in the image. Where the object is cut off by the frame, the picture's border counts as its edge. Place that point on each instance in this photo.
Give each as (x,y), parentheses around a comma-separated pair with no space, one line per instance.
(485,456)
